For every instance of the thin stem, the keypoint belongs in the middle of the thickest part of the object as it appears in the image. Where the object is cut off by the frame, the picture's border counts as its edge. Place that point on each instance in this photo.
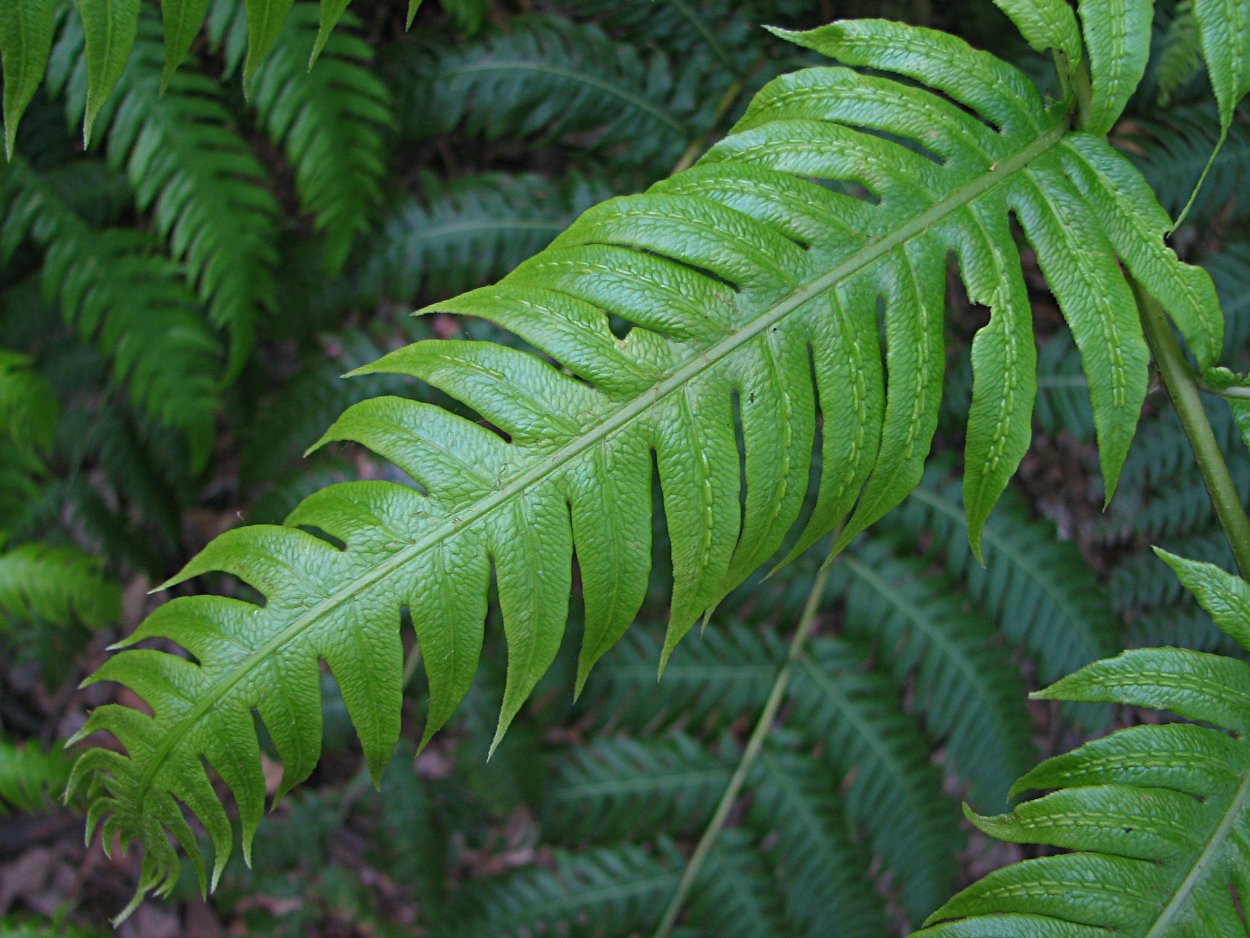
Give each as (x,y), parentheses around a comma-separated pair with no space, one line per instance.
(754,747)
(1183,390)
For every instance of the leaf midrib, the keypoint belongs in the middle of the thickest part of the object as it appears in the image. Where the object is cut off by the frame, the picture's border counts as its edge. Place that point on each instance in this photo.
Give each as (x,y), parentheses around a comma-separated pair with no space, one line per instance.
(1204,860)
(861,258)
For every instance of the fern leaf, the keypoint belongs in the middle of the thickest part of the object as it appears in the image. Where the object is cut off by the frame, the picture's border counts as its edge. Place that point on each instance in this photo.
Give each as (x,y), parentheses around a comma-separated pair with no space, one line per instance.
(1037,589)
(264,22)
(1180,58)
(1157,814)
(58,585)
(968,690)
(750,292)
(1172,155)
(614,787)
(891,791)
(1222,29)
(1117,38)
(329,121)
(28,410)
(113,287)
(109,28)
(206,190)
(461,233)
(30,780)
(623,886)
(26,28)
(547,76)
(733,895)
(822,869)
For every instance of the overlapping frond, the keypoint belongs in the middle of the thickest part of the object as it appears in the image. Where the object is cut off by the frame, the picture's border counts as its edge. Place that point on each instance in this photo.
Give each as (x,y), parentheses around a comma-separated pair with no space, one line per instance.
(1038,590)
(548,76)
(464,232)
(113,286)
(56,585)
(28,408)
(330,121)
(188,164)
(1157,815)
(717,330)
(31,780)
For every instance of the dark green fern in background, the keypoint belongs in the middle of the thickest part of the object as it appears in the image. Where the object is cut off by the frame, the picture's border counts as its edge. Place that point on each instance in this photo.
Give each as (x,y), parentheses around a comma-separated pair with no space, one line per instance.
(768,336)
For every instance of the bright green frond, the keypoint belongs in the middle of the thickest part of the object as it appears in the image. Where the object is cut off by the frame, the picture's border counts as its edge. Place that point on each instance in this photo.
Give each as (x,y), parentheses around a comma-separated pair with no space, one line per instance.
(1158,816)
(28,409)
(25,40)
(731,312)
(56,585)
(31,780)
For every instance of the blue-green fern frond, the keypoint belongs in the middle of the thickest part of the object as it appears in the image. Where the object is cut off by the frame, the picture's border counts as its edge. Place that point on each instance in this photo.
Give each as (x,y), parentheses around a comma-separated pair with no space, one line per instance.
(461,233)
(1038,590)
(967,690)
(546,76)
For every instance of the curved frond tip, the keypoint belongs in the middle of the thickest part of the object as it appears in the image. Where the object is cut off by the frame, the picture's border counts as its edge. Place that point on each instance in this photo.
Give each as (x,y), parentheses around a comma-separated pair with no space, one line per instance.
(741,293)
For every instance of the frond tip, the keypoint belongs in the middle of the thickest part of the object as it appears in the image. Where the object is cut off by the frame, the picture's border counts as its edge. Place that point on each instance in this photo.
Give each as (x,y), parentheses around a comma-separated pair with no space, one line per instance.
(1158,815)
(716,329)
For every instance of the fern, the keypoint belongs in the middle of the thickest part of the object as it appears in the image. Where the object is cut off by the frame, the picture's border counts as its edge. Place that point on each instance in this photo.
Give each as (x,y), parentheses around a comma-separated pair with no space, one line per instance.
(28,409)
(116,289)
(199,178)
(460,234)
(1156,813)
(966,688)
(751,292)
(55,585)
(1037,590)
(1180,58)
(30,779)
(330,122)
(549,77)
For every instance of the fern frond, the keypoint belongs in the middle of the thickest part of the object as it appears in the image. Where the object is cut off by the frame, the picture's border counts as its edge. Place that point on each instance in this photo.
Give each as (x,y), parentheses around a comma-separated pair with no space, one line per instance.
(750,292)
(890,789)
(547,76)
(461,233)
(612,788)
(207,192)
(820,869)
(623,885)
(57,585)
(1173,154)
(28,410)
(329,121)
(1062,396)
(967,689)
(1228,267)
(1037,589)
(727,672)
(115,289)
(1181,55)
(734,895)
(31,780)
(1157,815)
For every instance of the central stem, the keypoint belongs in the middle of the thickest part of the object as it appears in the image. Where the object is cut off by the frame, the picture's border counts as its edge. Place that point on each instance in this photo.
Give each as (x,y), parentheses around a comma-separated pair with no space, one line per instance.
(754,747)
(1183,390)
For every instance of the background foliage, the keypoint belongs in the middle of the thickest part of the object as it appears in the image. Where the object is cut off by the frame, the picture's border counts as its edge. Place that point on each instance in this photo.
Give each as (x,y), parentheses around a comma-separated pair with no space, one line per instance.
(179,298)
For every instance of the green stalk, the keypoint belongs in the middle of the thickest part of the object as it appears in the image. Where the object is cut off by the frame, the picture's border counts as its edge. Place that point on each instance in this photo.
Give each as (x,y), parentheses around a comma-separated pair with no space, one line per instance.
(754,746)
(1182,388)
